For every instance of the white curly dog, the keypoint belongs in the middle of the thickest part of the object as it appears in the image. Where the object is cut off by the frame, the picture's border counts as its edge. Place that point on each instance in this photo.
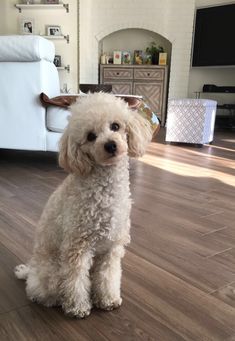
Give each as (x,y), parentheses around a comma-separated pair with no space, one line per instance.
(85,224)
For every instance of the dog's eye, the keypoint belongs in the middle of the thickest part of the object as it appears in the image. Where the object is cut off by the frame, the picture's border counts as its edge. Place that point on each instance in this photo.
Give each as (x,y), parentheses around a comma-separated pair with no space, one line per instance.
(91,137)
(114,126)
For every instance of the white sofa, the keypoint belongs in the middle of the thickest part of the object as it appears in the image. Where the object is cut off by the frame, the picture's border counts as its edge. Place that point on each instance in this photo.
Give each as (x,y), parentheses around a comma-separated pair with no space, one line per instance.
(190,121)
(26,70)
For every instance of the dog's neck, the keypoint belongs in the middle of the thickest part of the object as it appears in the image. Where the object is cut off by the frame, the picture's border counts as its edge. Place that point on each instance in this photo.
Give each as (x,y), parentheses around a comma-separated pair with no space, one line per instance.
(112,171)
(105,175)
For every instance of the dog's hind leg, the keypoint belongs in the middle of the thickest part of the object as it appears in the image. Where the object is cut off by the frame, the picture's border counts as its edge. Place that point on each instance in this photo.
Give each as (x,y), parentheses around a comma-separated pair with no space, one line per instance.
(41,284)
(106,279)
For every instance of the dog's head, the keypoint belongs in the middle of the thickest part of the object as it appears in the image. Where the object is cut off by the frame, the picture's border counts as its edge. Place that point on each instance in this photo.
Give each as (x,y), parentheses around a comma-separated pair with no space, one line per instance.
(101,130)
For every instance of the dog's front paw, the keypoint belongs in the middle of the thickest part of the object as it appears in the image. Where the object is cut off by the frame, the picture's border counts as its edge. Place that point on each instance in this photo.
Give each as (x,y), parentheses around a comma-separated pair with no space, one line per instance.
(108,303)
(79,310)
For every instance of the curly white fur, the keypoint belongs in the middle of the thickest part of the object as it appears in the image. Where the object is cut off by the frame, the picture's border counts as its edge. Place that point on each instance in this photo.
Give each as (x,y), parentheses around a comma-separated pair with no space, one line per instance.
(85,225)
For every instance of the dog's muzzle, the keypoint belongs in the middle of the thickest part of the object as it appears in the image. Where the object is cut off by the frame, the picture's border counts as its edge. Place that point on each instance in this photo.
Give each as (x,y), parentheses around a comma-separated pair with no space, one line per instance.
(110,147)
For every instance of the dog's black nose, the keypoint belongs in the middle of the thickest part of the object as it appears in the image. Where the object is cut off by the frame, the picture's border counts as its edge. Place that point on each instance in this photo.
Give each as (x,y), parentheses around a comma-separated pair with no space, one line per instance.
(110,147)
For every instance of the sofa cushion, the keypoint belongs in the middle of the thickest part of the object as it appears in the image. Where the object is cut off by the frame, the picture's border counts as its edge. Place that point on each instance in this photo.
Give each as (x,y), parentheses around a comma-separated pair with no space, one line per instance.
(18,48)
(57,118)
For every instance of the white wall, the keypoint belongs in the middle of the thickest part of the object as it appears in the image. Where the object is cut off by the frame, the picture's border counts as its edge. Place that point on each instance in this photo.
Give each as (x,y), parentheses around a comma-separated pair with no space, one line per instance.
(9,24)
(202,3)
(3,5)
(220,76)
(173,19)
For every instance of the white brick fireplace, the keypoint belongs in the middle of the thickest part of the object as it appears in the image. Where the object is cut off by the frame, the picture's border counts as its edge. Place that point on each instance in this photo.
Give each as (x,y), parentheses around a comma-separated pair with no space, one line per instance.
(172,19)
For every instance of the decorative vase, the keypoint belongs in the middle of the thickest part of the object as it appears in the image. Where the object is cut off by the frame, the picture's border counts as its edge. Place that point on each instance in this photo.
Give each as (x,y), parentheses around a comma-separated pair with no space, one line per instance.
(155,58)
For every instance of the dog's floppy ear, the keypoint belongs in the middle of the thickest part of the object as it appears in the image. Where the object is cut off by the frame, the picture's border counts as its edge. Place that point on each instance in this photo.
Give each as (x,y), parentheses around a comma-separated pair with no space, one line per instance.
(139,132)
(71,157)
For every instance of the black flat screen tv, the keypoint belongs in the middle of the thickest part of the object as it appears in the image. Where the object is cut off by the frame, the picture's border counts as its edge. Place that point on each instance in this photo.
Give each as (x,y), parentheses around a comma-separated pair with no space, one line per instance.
(214,37)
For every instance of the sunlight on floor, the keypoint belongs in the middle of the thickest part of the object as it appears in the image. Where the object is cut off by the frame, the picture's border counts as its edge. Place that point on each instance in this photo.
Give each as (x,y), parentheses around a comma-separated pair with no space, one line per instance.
(229,140)
(184,169)
(222,148)
(213,157)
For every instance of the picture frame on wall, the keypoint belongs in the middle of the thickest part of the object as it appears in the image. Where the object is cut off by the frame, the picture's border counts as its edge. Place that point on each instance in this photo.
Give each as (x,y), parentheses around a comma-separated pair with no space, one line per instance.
(53,30)
(117,57)
(27,26)
(57,60)
(138,57)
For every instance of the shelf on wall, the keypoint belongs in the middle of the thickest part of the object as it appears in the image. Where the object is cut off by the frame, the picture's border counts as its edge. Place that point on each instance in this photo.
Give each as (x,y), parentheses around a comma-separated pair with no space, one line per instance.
(62,37)
(20,7)
(66,67)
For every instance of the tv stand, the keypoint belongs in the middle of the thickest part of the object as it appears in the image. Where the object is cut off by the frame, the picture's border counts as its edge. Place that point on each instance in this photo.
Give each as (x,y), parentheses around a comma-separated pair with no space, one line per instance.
(219,89)
(211,88)
(230,107)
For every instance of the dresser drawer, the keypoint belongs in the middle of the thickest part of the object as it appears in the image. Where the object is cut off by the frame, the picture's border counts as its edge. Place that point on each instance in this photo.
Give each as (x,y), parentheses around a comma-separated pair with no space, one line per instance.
(121,87)
(151,74)
(111,73)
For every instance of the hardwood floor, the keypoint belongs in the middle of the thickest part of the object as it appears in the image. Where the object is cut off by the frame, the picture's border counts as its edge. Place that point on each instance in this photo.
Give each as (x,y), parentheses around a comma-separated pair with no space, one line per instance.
(179,270)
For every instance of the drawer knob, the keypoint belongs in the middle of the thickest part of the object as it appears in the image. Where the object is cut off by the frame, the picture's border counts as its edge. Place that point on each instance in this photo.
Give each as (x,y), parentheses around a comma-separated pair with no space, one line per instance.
(117,73)
(148,73)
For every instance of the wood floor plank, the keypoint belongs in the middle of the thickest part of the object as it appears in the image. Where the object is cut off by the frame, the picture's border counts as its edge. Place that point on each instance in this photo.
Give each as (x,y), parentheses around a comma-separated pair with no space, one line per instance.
(175,232)
(28,324)
(16,233)
(176,301)
(203,273)
(226,258)
(226,294)
(186,250)
(226,236)
(12,291)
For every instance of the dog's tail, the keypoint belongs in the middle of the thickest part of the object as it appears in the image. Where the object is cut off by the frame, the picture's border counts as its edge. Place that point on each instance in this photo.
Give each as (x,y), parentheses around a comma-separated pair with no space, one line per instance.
(21,271)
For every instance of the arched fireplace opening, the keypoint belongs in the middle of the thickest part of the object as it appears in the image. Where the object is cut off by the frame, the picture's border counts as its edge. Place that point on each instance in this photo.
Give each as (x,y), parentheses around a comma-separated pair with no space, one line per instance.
(127,64)
(132,39)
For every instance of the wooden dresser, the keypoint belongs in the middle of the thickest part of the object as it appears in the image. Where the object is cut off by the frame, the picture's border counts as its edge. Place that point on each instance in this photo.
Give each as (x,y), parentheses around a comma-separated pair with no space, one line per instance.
(149,81)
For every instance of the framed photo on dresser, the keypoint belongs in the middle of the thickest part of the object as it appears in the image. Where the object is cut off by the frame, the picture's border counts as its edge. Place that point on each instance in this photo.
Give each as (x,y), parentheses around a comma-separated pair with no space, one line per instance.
(138,57)
(117,57)
(126,57)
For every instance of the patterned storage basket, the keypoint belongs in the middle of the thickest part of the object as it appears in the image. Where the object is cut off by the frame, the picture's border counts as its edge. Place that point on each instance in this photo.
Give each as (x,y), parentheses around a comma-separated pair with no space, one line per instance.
(190,120)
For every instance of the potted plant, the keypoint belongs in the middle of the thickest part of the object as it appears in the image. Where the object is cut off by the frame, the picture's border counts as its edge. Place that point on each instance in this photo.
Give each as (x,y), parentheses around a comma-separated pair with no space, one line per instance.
(154,51)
